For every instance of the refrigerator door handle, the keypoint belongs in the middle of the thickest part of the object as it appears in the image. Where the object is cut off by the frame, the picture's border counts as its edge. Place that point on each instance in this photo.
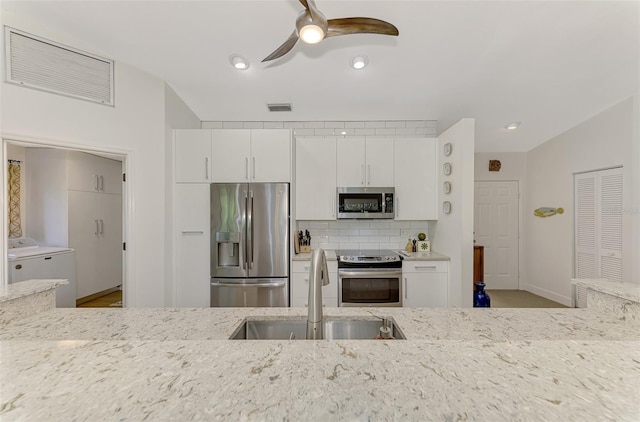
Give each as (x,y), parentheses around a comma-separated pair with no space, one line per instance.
(233,284)
(244,232)
(250,232)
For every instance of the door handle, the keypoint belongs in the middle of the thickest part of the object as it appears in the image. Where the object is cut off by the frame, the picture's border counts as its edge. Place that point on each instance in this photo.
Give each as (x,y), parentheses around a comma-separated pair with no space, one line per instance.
(425,267)
(333,208)
(405,287)
(368,174)
(97,229)
(101,226)
(206,168)
(246,168)
(97,186)
(232,284)
(253,170)
(187,232)
(397,202)
(362,175)
(101,183)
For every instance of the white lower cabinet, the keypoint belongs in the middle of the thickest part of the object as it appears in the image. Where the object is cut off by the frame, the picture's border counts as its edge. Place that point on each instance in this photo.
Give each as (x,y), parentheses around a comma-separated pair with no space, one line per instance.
(425,284)
(192,245)
(300,285)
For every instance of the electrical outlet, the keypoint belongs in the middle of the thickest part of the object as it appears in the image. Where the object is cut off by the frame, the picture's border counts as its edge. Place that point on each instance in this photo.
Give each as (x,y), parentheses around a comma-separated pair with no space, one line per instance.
(405,232)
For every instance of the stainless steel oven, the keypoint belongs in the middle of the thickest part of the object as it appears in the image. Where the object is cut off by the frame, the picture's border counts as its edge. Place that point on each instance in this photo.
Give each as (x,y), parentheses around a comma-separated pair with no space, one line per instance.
(369,278)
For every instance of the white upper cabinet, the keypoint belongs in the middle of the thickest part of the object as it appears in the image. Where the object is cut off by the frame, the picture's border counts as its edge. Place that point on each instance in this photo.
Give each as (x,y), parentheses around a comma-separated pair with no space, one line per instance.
(193,155)
(316,178)
(416,179)
(379,165)
(231,155)
(90,173)
(270,155)
(365,161)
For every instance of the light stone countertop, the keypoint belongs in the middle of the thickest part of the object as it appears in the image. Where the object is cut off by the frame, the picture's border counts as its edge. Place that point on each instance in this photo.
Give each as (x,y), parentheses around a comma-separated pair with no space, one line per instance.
(27,288)
(457,364)
(424,256)
(626,291)
(329,253)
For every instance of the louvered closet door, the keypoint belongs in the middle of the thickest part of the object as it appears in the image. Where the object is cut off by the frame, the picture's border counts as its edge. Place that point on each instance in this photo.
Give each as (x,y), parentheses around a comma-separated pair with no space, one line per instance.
(585,226)
(610,253)
(598,224)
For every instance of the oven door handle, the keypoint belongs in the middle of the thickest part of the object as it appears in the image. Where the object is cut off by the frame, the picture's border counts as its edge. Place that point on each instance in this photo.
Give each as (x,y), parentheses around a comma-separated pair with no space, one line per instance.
(369,273)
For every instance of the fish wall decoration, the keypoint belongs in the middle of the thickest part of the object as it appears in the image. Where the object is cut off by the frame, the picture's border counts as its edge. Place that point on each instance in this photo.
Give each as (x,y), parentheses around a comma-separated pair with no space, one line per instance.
(547,211)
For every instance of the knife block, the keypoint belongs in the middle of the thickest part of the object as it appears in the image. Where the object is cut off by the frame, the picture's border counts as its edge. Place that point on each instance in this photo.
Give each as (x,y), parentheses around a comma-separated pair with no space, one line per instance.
(305,248)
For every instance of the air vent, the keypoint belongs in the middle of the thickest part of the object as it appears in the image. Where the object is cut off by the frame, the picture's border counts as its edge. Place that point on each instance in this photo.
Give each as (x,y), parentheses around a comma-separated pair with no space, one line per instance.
(279,107)
(38,63)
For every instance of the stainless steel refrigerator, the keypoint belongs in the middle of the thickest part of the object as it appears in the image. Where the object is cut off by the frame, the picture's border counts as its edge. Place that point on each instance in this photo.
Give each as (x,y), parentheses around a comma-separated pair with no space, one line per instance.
(249,244)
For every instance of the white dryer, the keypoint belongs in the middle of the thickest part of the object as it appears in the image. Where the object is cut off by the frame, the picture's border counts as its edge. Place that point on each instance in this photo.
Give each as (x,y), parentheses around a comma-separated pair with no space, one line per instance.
(29,261)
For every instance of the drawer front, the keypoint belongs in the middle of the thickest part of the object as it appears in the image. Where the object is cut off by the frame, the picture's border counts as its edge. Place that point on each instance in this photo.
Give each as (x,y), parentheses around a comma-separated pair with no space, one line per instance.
(303,267)
(300,286)
(425,266)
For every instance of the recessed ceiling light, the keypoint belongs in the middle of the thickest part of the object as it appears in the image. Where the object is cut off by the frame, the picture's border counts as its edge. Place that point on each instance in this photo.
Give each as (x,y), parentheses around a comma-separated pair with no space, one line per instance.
(239,62)
(513,126)
(359,62)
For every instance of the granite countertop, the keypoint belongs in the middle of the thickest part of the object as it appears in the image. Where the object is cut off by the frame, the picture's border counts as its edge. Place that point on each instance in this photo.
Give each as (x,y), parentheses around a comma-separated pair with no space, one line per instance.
(413,256)
(27,288)
(423,256)
(457,364)
(626,291)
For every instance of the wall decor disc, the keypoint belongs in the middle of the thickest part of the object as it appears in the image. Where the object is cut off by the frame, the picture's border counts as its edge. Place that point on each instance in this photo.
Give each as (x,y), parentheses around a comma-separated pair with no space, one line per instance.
(446,149)
(446,187)
(446,168)
(446,207)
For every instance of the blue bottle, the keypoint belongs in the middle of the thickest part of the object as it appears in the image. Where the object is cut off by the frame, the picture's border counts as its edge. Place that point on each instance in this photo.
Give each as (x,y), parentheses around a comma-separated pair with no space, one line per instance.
(481,298)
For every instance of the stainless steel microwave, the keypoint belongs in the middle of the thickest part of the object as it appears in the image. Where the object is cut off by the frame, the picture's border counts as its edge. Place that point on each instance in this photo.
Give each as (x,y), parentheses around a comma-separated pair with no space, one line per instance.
(365,203)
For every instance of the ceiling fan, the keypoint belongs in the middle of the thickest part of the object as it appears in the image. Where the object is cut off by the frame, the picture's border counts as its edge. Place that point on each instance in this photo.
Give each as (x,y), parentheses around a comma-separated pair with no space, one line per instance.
(312,27)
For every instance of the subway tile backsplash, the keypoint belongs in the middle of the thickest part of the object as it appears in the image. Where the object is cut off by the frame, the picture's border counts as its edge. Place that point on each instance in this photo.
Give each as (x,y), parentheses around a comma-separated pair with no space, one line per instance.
(372,234)
(406,128)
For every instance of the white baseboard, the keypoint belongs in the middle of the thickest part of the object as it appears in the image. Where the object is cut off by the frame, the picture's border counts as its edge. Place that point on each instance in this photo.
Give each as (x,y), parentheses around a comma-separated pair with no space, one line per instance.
(566,301)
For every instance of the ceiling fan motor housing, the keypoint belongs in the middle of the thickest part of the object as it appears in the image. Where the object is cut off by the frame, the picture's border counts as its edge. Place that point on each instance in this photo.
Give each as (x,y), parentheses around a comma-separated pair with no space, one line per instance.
(305,18)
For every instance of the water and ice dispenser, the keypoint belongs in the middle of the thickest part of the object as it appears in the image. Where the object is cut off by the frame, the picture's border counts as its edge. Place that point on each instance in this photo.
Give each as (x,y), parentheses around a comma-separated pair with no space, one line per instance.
(228,248)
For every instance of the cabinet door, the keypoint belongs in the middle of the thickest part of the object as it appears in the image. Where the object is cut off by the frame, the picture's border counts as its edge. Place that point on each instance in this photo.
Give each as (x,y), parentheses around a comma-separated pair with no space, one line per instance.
(110,175)
(316,178)
(270,155)
(416,178)
(351,167)
(92,173)
(109,217)
(192,245)
(231,155)
(193,155)
(425,290)
(379,162)
(84,229)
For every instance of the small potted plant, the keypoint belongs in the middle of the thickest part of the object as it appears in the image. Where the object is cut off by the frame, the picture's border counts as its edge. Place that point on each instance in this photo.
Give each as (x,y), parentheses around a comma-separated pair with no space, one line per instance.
(424,244)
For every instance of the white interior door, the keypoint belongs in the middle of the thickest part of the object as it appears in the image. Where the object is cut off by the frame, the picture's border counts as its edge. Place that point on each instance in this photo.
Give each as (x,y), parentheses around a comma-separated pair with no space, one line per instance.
(496,228)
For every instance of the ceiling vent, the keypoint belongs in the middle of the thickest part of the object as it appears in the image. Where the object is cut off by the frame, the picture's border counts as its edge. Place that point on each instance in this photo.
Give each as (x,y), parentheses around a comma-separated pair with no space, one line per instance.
(38,63)
(279,107)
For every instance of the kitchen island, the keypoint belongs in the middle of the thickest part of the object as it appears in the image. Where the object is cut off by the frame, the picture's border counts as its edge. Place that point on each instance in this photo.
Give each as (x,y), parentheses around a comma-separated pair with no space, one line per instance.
(456,364)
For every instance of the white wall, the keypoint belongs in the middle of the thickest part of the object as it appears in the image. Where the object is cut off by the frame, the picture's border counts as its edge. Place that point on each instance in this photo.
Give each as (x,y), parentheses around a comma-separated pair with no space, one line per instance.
(177,116)
(606,140)
(453,232)
(134,126)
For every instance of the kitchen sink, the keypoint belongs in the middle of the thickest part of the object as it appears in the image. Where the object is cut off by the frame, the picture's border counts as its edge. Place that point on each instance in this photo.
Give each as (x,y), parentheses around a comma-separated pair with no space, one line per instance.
(296,329)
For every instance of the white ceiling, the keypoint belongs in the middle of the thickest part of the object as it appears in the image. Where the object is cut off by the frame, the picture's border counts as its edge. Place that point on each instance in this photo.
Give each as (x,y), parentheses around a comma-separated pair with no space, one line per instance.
(549,64)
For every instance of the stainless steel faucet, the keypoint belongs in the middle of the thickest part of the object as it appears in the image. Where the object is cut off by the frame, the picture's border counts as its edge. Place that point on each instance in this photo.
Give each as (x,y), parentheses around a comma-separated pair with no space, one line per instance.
(318,277)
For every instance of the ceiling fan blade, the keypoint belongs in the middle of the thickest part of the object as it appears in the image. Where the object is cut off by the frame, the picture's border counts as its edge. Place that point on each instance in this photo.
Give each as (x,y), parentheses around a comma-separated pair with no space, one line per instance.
(347,26)
(304,3)
(316,16)
(284,48)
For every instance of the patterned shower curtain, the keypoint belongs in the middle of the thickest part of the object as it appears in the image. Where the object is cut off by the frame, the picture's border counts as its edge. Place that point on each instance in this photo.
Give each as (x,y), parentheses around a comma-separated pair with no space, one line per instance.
(15,226)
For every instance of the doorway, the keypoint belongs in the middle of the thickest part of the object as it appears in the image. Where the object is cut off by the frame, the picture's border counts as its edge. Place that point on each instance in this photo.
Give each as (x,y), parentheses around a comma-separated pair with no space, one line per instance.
(496,227)
(61,186)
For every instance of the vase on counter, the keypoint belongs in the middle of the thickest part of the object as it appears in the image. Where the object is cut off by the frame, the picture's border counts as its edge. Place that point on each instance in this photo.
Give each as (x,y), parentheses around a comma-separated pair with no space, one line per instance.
(480,298)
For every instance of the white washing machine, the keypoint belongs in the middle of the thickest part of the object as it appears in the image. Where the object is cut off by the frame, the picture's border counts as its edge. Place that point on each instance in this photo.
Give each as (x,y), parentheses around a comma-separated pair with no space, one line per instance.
(29,261)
